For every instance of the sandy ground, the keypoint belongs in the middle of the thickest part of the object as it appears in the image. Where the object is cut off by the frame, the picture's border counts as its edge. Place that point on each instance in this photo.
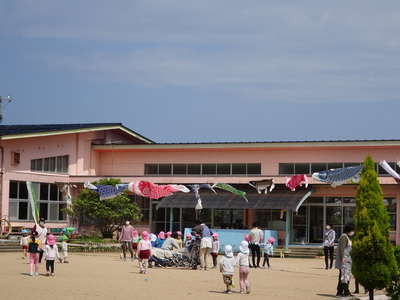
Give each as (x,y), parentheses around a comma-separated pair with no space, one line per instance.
(106,276)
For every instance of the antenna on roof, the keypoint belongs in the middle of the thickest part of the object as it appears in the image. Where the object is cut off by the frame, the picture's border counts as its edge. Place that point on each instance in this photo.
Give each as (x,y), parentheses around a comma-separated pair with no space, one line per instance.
(8,99)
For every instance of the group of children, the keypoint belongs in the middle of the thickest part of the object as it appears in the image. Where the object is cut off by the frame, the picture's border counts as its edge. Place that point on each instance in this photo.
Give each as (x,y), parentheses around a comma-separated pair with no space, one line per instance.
(141,247)
(34,247)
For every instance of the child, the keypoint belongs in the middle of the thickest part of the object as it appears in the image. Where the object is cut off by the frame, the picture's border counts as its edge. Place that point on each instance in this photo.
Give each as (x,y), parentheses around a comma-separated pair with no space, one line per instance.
(178,239)
(215,250)
(227,268)
(64,249)
(42,235)
(24,243)
(34,247)
(135,243)
(268,250)
(50,254)
(243,260)
(144,253)
(153,239)
(247,238)
(160,239)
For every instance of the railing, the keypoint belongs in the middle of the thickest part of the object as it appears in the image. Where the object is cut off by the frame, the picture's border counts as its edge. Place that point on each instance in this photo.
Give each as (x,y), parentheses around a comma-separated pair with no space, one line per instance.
(94,247)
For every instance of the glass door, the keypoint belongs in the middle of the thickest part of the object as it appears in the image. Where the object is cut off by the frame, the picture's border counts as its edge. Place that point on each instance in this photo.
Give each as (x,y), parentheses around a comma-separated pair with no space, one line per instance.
(316,224)
(299,232)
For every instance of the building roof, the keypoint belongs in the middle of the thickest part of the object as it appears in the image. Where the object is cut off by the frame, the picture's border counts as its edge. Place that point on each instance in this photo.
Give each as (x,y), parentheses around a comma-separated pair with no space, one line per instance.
(280,198)
(25,131)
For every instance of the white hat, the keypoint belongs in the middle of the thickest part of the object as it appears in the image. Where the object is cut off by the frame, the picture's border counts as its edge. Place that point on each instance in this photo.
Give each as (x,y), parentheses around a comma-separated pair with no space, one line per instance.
(244,247)
(228,251)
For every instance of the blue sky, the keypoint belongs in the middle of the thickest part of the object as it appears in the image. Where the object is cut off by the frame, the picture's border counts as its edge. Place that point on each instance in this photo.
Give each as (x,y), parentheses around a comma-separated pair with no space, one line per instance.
(206,71)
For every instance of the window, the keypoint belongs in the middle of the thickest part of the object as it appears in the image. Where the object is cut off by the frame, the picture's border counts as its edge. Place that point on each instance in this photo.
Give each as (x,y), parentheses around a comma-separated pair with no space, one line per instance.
(50,202)
(144,205)
(165,169)
(180,169)
(301,168)
(15,158)
(224,169)
(286,169)
(56,164)
(318,167)
(253,169)
(209,169)
(194,169)
(310,168)
(203,169)
(239,169)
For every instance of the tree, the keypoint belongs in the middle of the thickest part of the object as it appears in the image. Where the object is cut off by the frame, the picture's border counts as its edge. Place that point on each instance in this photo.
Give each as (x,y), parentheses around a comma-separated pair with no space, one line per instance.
(374,265)
(106,215)
(393,290)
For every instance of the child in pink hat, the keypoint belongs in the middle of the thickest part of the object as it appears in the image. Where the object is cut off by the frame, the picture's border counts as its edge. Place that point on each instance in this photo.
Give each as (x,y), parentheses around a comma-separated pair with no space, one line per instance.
(144,253)
(215,250)
(160,239)
(135,242)
(268,250)
(50,254)
(178,238)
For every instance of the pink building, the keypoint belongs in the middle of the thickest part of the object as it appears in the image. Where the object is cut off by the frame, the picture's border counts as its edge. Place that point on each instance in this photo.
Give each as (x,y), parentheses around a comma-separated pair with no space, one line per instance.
(53,155)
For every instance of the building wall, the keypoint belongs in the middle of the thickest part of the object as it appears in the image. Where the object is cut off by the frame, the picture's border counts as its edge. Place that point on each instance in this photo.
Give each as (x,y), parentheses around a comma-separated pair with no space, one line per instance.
(128,164)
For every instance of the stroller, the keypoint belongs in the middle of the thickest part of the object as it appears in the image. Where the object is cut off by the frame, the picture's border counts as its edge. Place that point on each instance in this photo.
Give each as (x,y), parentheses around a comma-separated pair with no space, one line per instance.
(175,258)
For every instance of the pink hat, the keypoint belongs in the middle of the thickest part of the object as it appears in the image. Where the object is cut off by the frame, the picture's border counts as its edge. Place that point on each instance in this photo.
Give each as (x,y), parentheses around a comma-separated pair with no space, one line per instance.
(179,233)
(169,233)
(145,236)
(51,240)
(135,233)
(161,235)
(215,235)
(188,235)
(271,240)
(247,238)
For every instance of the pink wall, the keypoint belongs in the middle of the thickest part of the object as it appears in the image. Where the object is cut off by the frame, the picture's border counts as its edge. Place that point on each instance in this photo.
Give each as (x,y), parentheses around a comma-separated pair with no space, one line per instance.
(127,162)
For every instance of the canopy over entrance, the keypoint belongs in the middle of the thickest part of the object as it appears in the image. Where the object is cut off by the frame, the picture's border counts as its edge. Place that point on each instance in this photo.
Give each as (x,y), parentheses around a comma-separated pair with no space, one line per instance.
(280,198)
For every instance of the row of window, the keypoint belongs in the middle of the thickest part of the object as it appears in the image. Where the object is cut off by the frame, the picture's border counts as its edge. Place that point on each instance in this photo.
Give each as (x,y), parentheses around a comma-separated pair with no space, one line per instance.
(55,164)
(310,168)
(203,169)
(250,168)
(49,199)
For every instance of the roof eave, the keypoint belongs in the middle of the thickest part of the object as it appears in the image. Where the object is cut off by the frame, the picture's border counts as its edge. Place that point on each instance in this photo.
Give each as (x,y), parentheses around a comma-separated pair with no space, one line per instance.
(72,131)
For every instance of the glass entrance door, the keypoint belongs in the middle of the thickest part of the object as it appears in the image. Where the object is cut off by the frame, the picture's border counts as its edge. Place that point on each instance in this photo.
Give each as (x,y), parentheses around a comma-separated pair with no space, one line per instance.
(299,233)
(316,224)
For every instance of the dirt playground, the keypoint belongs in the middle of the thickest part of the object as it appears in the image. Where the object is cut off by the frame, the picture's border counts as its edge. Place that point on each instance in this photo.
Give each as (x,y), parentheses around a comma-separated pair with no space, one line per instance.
(106,276)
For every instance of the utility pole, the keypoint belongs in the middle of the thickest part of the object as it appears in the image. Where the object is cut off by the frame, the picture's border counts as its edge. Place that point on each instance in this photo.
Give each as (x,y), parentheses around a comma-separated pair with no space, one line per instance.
(8,99)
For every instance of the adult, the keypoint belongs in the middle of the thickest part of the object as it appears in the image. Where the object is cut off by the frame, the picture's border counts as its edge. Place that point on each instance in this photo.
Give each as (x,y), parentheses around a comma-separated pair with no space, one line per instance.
(42,236)
(344,262)
(329,241)
(169,244)
(256,237)
(205,243)
(126,239)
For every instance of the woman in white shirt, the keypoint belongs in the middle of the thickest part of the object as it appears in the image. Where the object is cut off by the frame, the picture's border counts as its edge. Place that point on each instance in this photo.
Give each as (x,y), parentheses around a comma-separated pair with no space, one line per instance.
(329,241)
